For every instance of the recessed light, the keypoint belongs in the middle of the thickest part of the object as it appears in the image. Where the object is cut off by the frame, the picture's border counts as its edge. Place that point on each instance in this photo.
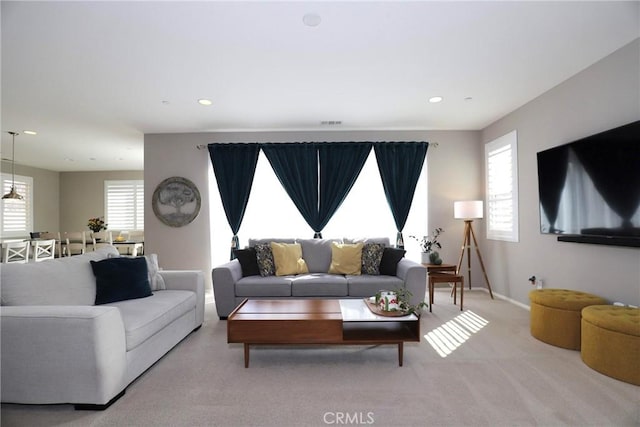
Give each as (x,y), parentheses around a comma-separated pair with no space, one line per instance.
(30,132)
(204,102)
(311,19)
(435,99)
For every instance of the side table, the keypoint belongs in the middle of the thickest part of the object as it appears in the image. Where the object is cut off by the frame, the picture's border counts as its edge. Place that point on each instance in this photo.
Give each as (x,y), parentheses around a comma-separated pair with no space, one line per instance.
(444,273)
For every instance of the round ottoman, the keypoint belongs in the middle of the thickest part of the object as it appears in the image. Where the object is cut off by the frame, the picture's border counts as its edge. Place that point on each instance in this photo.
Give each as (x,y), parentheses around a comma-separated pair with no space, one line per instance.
(611,341)
(556,315)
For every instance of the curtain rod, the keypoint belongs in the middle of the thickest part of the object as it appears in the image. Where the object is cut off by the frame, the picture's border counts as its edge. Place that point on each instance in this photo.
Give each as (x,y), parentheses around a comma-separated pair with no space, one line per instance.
(204,146)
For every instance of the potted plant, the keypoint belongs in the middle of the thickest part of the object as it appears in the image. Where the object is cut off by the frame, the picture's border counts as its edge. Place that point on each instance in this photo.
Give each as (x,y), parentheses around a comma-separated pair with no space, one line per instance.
(96,225)
(428,246)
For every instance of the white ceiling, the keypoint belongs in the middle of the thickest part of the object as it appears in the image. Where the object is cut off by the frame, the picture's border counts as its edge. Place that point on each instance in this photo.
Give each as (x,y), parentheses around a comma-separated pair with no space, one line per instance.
(93,77)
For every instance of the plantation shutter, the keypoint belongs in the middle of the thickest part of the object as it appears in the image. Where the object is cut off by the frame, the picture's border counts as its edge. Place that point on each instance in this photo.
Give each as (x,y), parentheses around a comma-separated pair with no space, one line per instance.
(124,205)
(502,188)
(17,215)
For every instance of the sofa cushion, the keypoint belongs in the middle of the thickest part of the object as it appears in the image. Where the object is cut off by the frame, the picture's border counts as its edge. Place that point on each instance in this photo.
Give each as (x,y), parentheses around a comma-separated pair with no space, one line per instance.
(288,259)
(155,279)
(257,286)
(248,261)
(371,258)
(390,259)
(366,286)
(144,318)
(319,285)
(119,279)
(264,257)
(60,281)
(346,258)
(317,253)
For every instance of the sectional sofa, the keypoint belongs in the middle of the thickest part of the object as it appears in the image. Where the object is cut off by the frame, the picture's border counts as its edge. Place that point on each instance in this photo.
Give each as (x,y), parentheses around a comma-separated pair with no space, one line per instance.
(234,281)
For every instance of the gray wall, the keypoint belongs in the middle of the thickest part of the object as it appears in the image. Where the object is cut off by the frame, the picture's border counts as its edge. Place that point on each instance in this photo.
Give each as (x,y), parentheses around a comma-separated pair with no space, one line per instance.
(603,96)
(82,196)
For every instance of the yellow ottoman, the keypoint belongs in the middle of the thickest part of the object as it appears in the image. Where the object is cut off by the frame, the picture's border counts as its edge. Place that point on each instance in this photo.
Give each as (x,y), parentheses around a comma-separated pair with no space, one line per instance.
(611,341)
(556,314)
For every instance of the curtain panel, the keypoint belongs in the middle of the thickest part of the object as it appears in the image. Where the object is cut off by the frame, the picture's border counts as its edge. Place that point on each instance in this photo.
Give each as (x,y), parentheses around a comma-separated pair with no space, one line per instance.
(234,166)
(400,164)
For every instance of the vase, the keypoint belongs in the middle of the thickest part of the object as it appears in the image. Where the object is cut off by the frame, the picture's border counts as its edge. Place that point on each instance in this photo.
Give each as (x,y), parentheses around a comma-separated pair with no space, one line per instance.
(424,257)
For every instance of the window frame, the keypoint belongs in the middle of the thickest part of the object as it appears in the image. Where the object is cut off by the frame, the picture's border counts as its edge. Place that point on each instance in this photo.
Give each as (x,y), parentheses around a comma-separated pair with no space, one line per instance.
(138,203)
(24,187)
(509,142)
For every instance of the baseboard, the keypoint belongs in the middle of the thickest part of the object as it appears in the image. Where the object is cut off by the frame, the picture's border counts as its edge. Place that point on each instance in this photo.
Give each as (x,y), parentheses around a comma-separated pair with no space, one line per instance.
(91,407)
(503,297)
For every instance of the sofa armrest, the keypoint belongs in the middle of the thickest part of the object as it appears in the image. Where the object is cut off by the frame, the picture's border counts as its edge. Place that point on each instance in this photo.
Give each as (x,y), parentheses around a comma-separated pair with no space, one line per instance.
(414,276)
(224,278)
(62,354)
(187,280)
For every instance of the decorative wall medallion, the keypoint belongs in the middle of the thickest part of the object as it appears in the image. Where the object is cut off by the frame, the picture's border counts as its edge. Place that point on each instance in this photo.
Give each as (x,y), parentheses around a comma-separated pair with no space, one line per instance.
(176,201)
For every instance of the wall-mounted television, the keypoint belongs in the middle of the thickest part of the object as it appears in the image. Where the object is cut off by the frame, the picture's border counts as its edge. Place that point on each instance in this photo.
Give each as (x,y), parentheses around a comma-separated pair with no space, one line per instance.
(589,189)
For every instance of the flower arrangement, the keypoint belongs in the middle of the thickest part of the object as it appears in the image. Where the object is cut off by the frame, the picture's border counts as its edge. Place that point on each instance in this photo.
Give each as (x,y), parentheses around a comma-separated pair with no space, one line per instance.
(96,224)
(430,243)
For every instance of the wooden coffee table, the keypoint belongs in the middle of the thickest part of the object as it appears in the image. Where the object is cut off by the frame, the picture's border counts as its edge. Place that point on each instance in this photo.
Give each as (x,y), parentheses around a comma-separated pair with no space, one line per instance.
(317,321)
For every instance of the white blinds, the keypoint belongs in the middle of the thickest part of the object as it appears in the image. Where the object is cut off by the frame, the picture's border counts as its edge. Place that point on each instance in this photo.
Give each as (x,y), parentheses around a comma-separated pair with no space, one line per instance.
(17,215)
(124,202)
(502,188)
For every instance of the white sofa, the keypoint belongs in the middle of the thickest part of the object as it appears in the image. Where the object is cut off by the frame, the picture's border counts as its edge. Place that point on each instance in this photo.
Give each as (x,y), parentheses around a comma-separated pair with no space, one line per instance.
(58,347)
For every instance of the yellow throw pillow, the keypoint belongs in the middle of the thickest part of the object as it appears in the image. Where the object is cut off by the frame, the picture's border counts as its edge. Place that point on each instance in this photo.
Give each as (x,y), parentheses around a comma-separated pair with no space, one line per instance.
(288,259)
(346,258)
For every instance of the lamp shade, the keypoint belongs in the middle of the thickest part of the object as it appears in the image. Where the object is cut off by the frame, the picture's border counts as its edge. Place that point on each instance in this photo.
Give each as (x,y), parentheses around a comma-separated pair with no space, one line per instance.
(469,209)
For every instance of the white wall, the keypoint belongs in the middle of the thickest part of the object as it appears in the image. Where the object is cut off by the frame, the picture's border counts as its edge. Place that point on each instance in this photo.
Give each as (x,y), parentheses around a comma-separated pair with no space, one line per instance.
(454,174)
(601,97)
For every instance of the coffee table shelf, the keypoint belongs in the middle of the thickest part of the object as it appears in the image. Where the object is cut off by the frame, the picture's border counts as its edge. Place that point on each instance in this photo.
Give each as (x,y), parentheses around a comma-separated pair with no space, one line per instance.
(317,321)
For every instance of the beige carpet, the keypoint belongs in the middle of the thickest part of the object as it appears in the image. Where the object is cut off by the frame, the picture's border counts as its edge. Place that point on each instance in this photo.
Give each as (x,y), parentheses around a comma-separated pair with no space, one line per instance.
(487,371)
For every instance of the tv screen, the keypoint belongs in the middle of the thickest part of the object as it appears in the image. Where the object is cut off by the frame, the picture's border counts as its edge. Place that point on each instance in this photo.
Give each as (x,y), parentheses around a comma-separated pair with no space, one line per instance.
(589,190)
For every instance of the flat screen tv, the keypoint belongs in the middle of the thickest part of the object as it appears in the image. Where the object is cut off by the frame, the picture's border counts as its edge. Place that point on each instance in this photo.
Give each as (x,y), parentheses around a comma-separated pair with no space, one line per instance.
(589,189)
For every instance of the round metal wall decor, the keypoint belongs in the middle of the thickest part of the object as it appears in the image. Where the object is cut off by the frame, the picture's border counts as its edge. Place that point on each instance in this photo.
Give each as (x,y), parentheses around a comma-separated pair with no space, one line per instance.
(176,201)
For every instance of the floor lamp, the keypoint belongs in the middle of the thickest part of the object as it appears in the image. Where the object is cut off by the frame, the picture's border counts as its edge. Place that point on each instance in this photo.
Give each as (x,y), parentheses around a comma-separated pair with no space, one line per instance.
(468,211)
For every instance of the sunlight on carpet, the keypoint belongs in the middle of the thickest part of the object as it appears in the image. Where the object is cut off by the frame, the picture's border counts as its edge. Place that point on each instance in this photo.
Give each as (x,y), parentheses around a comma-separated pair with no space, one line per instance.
(451,335)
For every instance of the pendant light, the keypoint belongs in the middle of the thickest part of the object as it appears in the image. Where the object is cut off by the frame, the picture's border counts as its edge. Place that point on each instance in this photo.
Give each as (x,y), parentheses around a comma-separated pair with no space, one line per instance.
(13,195)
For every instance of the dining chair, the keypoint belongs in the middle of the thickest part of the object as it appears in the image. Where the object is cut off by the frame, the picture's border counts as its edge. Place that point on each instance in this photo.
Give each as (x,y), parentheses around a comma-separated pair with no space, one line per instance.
(44,250)
(48,235)
(101,239)
(17,252)
(74,243)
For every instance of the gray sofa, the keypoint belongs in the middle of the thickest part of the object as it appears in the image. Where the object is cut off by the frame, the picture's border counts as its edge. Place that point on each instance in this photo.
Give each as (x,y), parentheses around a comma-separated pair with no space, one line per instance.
(58,347)
(231,288)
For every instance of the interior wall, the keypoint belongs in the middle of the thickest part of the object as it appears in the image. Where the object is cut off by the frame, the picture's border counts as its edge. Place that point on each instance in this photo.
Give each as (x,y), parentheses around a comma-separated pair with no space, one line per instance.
(82,196)
(601,97)
(454,173)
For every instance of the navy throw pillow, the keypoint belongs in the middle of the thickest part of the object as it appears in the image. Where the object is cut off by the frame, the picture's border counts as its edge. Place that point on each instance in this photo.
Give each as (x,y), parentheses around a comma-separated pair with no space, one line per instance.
(248,261)
(390,259)
(119,279)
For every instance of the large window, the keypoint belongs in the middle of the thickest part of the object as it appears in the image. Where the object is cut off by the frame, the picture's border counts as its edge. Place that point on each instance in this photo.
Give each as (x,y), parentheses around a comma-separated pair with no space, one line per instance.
(271,213)
(124,204)
(17,215)
(501,166)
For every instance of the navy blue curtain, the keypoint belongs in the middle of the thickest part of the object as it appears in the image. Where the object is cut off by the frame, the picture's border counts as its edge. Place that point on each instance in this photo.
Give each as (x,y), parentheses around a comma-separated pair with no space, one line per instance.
(296,166)
(234,166)
(340,164)
(400,164)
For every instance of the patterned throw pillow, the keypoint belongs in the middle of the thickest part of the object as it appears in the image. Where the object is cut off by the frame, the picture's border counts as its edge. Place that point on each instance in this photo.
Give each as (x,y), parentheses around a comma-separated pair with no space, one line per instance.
(371,257)
(264,255)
